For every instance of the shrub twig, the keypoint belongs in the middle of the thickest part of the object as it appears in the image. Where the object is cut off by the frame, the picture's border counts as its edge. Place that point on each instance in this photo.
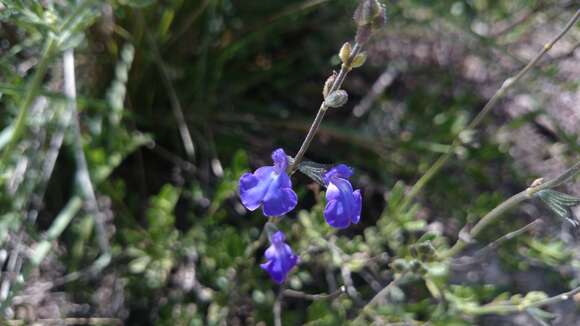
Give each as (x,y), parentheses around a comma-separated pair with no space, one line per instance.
(499,308)
(510,203)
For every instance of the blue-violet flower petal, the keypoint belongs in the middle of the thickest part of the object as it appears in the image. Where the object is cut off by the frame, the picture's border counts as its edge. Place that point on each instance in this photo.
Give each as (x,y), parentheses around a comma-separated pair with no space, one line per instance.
(280,258)
(269,187)
(343,205)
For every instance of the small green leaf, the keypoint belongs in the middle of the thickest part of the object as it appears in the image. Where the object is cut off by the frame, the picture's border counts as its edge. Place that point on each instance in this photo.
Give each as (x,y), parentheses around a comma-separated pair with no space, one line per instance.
(138,265)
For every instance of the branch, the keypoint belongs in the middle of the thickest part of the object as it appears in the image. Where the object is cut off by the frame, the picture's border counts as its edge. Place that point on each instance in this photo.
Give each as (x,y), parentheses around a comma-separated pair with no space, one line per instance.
(495,244)
(314,297)
(500,93)
(83,175)
(345,271)
(562,178)
(511,203)
(376,299)
(498,308)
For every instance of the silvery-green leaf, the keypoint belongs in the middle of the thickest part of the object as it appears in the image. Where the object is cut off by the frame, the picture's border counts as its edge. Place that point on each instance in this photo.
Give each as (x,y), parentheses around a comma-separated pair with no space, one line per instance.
(561,204)
(565,199)
(540,313)
(314,171)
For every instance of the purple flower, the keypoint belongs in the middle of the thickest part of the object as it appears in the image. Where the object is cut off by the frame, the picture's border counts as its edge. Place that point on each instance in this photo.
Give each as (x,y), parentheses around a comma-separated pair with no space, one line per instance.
(280,258)
(343,205)
(269,186)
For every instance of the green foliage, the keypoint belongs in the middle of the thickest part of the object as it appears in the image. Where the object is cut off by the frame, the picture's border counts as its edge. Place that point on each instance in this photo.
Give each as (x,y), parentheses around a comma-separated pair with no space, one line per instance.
(152,252)
(247,76)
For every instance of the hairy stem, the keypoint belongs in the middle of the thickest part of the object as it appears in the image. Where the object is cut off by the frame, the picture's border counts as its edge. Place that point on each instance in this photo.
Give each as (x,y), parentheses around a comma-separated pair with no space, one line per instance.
(344,70)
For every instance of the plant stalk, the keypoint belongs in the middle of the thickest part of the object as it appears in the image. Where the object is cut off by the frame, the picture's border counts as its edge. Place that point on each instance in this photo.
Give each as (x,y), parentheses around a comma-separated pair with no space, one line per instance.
(344,70)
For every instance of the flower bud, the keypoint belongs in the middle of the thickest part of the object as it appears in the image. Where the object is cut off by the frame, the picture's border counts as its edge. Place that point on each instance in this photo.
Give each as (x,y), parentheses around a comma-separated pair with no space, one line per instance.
(381,19)
(359,60)
(415,265)
(336,99)
(344,52)
(366,12)
(399,265)
(370,15)
(328,84)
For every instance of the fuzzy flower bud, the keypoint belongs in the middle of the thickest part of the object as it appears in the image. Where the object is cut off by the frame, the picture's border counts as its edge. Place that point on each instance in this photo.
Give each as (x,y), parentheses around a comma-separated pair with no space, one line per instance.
(328,84)
(366,12)
(370,15)
(336,99)
(344,52)
(359,60)
(381,19)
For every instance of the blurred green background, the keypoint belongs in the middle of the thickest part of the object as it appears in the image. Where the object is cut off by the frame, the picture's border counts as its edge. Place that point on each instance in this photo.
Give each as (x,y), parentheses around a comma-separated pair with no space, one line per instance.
(176,99)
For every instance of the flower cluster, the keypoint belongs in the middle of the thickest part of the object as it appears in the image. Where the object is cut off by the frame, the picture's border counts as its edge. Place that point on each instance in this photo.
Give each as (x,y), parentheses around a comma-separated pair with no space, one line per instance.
(270,187)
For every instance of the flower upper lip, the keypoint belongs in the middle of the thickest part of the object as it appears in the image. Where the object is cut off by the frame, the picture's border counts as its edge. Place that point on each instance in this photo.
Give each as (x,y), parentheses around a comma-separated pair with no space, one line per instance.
(269,187)
(343,205)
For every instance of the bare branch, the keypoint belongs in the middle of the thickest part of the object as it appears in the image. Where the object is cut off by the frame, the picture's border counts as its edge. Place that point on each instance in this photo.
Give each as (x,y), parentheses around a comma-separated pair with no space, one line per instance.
(321,296)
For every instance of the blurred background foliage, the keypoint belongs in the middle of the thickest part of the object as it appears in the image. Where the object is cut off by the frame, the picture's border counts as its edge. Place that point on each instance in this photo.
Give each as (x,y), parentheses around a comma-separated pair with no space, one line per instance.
(176,99)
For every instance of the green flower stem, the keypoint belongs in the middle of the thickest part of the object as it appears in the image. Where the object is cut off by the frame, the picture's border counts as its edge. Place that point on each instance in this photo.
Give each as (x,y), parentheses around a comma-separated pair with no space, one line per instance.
(509,83)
